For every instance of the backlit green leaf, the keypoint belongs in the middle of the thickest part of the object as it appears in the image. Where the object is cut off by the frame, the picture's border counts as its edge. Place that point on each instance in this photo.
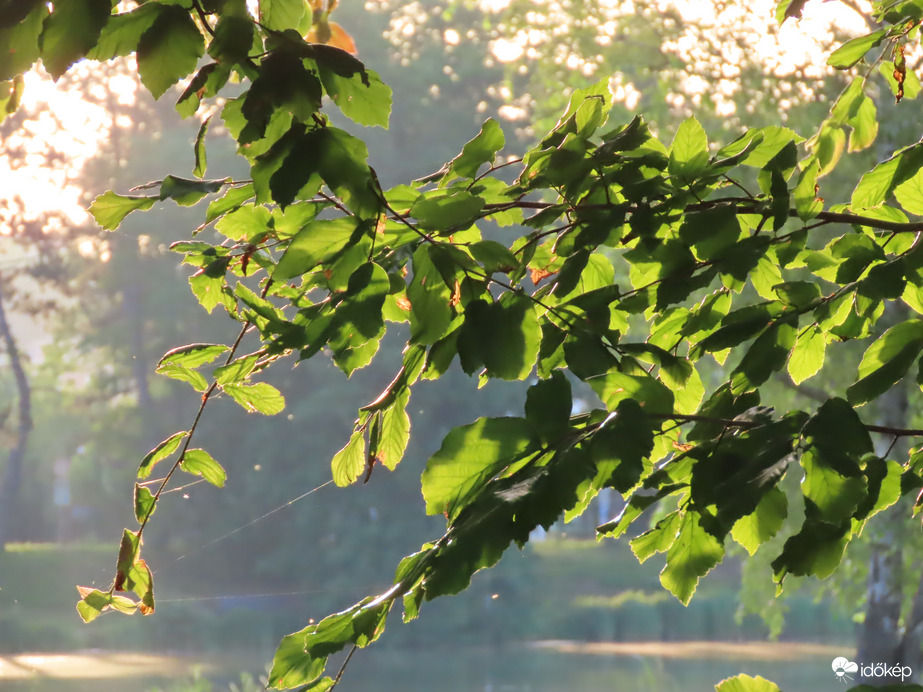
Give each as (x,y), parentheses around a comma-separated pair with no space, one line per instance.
(650,393)
(198,462)
(807,356)
(187,191)
(752,530)
(280,15)
(314,245)
(469,457)
(109,208)
(257,398)
(478,151)
(356,90)
(201,159)
(876,185)
(887,360)
(504,338)
(160,452)
(71,30)
(169,50)
(909,194)
(20,41)
(854,50)
(349,463)
(689,151)
(144,503)
(395,431)
(443,212)
(183,374)
(747,683)
(122,33)
(692,555)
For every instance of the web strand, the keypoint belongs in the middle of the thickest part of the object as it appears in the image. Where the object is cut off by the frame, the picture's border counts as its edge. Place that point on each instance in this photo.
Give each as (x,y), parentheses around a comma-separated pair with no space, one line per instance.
(254,521)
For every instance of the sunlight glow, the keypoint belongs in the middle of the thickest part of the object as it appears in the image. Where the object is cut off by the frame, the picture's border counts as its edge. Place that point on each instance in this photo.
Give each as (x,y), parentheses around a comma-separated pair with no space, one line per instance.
(63,127)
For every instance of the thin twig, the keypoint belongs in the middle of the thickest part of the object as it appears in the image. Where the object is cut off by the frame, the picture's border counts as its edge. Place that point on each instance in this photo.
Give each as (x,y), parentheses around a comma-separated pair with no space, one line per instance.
(342,670)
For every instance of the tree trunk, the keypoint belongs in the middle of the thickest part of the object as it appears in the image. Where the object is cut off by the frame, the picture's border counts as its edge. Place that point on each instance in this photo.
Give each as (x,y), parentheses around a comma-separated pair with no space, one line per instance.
(12,477)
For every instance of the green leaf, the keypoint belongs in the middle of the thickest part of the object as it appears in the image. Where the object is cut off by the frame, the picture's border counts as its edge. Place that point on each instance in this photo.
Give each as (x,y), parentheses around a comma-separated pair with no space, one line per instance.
(835,495)
(620,446)
(233,40)
(855,49)
(887,361)
(430,297)
(651,394)
(356,90)
(183,374)
(689,151)
(349,463)
(766,356)
(909,194)
(11,92)
(884,485)
(94,602)
(476,152)
(193,355)
(169,50)
(198,462)
(257,398)
(395,431)
(494,256)
(233,198)
(747,683)
(246,222)
(339,159)
(807,356)
(752,530)
(798,294)
(441,211)
(279,15)
(692,555)
(806,200)
(658,539)
(144,503)
(187,191)
(109,208)
(20,41)
(784,10)
(828,146)
(302,656)
(315,244)
(72,29)
(201,160)
(548,406)
(122,33)
(876,185)
(470,456)
(236,371)
(207,82)
(160,452)
(503,337)
(817,549)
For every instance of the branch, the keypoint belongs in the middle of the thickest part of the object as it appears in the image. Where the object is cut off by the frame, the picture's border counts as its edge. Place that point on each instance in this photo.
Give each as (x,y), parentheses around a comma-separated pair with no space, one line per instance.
(749,424)
(195,423)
